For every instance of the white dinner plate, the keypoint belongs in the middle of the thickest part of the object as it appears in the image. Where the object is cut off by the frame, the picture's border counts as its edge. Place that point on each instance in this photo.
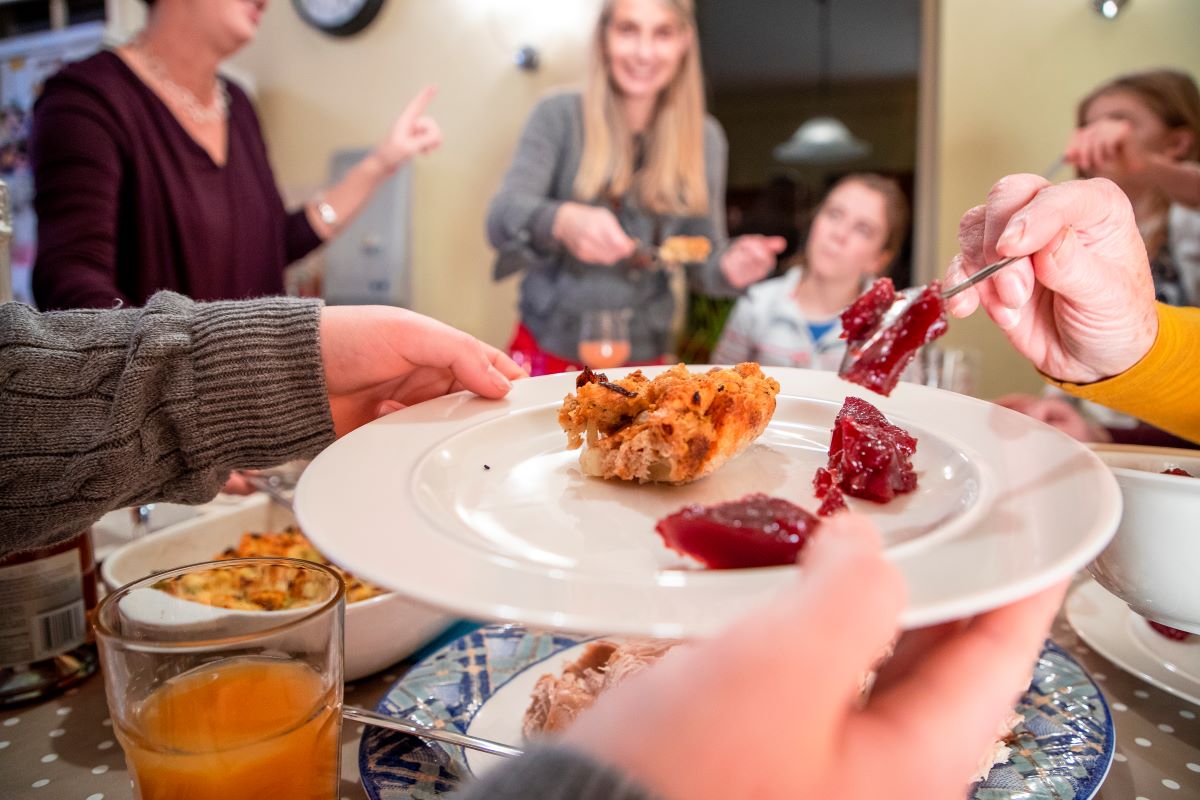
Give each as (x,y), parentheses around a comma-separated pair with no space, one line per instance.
(477,506)
(1114,631)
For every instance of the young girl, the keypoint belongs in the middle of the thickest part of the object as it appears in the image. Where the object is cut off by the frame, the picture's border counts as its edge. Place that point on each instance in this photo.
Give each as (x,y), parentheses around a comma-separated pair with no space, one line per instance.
(792,320)
(632,159)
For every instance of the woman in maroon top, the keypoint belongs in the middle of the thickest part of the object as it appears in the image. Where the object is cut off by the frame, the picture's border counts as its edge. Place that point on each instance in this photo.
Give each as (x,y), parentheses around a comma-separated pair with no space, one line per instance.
(151,171)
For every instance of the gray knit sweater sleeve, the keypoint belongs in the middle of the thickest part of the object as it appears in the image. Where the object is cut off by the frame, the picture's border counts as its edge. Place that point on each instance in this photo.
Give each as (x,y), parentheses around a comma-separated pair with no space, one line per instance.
(554,773)
(104,409)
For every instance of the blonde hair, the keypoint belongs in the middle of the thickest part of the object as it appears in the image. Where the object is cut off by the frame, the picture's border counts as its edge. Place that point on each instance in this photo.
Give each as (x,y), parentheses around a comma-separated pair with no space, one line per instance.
(672,179)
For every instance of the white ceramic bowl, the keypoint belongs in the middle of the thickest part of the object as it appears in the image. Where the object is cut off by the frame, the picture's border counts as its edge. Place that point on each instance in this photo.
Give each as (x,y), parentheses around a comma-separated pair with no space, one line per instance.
(379,631)
(1153,562)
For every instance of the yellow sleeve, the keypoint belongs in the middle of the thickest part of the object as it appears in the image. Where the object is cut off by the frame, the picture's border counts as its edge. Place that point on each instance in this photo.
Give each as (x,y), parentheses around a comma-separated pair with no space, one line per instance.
(1164,387)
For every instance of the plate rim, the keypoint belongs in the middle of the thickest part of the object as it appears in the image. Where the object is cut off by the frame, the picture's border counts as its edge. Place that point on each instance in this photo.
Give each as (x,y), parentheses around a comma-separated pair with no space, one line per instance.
(1090,589)
(1104,511)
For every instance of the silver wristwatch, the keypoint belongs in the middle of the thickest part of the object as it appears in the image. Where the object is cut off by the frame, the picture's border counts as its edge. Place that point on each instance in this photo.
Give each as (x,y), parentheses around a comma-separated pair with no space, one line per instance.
(327,213)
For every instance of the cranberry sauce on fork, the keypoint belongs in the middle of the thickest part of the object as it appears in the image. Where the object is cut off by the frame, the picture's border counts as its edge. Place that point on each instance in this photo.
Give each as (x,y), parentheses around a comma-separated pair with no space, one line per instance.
(863,316)
(880,365)
(755,531)
(868,456)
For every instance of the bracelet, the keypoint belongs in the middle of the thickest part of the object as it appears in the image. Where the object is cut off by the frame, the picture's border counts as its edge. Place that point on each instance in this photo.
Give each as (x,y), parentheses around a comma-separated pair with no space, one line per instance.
(326,212)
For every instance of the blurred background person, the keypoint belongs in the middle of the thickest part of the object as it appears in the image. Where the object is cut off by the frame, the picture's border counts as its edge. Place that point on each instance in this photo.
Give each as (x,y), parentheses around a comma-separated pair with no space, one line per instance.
(1141,131)
(633,158)
(151,171)
(793,320)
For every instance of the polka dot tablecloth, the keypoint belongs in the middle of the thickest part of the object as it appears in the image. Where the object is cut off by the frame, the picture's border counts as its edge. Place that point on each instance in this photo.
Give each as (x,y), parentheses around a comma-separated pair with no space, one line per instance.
(64,748)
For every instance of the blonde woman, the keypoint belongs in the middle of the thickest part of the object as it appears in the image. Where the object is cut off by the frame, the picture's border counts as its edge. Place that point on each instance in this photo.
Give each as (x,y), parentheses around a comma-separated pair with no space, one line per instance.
(793,320)
(631,159)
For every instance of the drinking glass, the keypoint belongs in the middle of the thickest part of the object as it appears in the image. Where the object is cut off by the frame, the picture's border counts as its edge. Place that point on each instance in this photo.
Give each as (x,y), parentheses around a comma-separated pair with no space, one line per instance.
(956,369)
(604,337)
(227,704)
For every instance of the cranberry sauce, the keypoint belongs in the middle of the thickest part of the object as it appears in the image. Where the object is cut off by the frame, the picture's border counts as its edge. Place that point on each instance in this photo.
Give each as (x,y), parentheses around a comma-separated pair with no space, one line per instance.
(868,456)
(880,365)
(862,316)
(755,531)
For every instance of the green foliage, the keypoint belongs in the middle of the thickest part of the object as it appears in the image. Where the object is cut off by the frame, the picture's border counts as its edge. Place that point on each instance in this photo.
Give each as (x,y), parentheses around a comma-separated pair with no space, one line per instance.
(705,319)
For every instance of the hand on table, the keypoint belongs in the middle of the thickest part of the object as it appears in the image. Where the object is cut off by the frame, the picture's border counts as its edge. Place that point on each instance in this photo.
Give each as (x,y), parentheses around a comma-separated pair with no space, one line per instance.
(1079,303)
(751,258)
(592,234)
(771,707)
(378,359)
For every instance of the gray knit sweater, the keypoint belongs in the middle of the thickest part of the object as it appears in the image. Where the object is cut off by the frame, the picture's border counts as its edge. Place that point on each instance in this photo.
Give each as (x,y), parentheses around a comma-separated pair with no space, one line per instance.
(556,287)
(104,409)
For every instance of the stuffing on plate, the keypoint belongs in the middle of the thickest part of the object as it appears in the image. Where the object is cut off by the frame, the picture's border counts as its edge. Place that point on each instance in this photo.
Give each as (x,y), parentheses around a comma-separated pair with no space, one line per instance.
(676,428)
(252,590)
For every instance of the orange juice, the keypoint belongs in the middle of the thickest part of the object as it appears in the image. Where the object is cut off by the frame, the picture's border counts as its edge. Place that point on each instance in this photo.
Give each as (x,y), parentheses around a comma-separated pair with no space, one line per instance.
(251,728)
(601,354)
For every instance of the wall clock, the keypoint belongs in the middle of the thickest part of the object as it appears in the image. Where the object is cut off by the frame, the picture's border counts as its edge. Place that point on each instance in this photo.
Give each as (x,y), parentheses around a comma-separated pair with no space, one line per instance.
(338,17)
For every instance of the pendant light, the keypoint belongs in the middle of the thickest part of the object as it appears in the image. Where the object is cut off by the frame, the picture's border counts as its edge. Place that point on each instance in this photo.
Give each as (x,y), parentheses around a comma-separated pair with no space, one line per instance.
(822,140)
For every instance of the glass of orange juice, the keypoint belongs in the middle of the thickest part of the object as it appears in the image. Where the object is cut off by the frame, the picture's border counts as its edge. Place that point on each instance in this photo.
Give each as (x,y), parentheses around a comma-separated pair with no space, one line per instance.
(604,337)
(230,703)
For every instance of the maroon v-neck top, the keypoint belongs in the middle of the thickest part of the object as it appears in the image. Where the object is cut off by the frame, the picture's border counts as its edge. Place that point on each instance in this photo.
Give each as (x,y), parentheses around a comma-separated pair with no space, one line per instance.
(129,203)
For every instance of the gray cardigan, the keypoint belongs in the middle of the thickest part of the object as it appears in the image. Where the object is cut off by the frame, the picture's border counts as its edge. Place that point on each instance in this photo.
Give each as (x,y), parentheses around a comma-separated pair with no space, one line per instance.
(557,287)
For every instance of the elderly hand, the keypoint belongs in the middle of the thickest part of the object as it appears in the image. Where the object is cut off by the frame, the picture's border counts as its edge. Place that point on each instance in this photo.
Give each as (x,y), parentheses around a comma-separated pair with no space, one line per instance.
(751,258)
(1079,303)
(378,359)
(413,132)
(771,707)
(592,234)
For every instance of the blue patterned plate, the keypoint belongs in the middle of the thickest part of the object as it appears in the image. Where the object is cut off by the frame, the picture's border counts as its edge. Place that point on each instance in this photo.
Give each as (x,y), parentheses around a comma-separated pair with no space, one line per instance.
(1062,752)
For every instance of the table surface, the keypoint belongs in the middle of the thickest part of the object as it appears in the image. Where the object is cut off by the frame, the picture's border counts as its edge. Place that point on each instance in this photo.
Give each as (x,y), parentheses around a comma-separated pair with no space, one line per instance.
(64,748)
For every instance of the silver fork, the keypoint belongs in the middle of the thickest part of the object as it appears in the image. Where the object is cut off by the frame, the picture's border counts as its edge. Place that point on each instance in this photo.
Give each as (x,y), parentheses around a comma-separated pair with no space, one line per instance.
(904,299)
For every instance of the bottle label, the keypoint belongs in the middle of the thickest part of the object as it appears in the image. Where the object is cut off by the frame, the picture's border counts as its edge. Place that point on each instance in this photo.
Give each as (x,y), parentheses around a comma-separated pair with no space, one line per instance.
(41,609)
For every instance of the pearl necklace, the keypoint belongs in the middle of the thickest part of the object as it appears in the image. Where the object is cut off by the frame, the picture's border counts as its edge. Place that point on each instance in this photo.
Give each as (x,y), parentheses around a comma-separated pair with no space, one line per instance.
(217,110)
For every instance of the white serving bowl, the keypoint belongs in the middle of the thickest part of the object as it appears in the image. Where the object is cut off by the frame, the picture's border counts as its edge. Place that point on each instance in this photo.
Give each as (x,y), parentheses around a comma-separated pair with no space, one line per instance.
(379,631)
(1153,562)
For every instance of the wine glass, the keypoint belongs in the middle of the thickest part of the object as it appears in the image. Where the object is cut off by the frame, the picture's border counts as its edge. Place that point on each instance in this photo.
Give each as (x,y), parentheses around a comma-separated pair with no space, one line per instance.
(604,337)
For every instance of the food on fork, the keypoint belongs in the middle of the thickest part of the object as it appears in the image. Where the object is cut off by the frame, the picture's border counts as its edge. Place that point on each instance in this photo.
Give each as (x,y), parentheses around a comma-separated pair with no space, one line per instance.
(869,457)
(675,428)
(755,531)
(558,700)
(684,249)
(878,350)
(1178,471)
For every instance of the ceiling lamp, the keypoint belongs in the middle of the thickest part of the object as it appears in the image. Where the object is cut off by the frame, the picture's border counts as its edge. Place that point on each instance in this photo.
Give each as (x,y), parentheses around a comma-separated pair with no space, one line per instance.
(822,140)
(1109,9)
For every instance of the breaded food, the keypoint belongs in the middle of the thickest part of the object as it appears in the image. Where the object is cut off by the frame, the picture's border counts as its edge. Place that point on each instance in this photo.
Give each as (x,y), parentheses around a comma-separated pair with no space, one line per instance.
(675,428)
(254,590)
(685,249)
